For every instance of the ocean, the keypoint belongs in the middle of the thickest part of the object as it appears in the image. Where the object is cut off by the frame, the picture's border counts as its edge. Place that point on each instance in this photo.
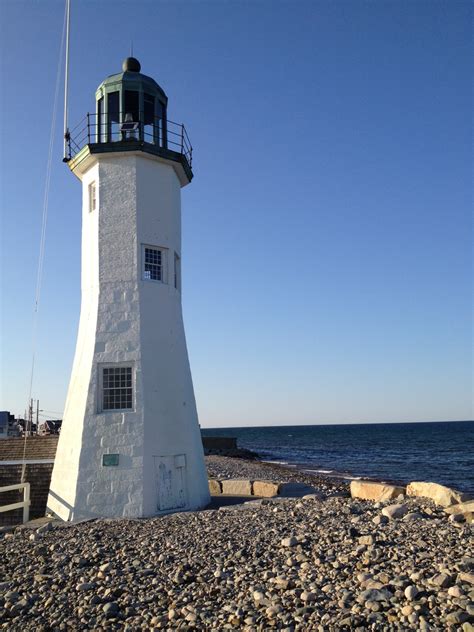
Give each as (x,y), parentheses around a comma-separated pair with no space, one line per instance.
(442,452)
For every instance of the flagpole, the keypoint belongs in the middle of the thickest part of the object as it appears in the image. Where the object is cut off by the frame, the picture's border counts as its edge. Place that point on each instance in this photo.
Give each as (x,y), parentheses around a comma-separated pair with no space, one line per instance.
(66,84)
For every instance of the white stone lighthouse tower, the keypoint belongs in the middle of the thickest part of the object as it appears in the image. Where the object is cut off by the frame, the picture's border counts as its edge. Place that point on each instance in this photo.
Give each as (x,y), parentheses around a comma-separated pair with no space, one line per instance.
(130,443)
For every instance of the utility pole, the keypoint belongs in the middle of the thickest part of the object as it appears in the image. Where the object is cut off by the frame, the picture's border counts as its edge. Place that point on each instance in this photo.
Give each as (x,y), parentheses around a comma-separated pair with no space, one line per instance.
(37,415)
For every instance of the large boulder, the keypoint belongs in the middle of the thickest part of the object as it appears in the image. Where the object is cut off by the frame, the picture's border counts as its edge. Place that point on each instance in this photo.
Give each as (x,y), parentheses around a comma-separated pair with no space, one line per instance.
(266,489)
(371,490)
(215,487)
(395,512)
(440,494)
(237,487)
(461,508)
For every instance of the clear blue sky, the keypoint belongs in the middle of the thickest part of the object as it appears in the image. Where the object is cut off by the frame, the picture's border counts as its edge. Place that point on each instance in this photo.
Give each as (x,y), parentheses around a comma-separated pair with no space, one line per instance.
(327,233)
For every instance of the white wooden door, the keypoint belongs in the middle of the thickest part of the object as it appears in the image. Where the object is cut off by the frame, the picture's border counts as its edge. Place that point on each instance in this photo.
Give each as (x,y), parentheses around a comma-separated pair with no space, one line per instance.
(170,479)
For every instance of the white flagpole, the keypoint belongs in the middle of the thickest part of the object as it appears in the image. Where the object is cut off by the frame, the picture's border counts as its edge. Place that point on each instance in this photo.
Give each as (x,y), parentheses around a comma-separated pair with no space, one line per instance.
(66,83)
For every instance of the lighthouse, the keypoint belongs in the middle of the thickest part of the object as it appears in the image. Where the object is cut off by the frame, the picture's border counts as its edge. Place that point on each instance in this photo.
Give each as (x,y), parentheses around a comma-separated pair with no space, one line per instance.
(130,442)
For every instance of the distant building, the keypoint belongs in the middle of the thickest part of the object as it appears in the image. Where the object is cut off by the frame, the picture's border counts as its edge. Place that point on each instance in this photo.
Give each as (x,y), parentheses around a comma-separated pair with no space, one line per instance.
(31,428)
(4,416)
(9,426)
(50,427)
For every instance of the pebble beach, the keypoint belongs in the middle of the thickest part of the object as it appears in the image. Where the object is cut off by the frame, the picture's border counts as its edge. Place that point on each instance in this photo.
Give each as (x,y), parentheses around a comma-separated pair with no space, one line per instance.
(322,562)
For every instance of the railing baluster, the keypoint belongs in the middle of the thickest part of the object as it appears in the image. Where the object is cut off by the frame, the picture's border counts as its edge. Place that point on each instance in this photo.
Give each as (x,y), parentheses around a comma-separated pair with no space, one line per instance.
(26,500)
(163,133)
(25,504)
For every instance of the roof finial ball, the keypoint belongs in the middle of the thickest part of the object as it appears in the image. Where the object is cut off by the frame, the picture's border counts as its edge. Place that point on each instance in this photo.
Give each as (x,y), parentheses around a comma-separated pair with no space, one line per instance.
(131,64)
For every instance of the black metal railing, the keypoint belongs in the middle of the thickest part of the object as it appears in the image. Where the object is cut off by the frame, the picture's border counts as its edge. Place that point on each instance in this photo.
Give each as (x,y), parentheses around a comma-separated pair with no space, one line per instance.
(161,133)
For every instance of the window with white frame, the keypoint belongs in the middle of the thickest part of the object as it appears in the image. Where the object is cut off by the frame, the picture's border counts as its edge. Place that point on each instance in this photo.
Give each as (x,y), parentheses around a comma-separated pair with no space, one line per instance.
(92,197)
(117,388)
(177,271)
(154,263)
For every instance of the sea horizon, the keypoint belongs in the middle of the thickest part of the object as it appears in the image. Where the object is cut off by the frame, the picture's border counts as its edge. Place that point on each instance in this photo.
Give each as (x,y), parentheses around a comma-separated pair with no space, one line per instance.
(343,423)
(440,451)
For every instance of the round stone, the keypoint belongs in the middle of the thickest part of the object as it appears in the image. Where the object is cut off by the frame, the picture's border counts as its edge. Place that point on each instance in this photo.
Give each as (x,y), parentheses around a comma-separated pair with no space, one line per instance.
(110,609)
(411,592)
(455,591)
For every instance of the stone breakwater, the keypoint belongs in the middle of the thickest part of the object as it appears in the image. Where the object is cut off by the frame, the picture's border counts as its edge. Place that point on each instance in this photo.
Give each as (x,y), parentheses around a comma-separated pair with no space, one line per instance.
(330,563)
(222,468)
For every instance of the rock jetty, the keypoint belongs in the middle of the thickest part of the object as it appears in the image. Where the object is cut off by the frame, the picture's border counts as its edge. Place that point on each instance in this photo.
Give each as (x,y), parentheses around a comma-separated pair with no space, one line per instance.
(323,562)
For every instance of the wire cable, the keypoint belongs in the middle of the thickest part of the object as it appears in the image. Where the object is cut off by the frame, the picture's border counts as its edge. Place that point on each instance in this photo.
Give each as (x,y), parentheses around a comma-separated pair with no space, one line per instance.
(44,221)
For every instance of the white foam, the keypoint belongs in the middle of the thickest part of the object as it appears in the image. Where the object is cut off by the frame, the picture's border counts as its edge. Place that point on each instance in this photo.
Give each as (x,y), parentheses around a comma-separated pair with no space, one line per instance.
(321,471)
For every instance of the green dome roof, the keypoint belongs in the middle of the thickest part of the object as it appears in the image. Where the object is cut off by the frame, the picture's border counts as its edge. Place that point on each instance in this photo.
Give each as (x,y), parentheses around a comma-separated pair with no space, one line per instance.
(131,80)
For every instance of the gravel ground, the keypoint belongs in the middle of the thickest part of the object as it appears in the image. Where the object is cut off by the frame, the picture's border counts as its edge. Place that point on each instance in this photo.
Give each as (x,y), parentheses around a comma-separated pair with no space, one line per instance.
(292,564)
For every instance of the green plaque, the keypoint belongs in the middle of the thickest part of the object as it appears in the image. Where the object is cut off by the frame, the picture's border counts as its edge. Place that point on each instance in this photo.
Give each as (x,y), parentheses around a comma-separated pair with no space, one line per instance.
(110,459)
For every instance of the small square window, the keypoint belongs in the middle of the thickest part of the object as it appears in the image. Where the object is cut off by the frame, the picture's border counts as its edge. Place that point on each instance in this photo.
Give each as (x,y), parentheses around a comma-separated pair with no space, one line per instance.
(92,197)
(117,388)
(154,264)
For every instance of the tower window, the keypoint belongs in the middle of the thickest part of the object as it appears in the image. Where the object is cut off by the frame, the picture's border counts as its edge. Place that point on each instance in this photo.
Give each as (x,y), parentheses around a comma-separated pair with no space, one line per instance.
(117,388)
(92,196)
(154,264)
(177,271)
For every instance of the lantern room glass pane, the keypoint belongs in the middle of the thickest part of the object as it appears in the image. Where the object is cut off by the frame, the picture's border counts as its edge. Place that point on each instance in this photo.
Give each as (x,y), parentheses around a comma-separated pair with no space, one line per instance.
(149,118)
(113,112)
(132,106)
(149,108)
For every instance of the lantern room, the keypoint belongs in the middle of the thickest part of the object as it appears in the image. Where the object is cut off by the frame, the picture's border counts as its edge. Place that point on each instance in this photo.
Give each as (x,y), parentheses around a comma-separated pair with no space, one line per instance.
(130,105)
(130,115)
